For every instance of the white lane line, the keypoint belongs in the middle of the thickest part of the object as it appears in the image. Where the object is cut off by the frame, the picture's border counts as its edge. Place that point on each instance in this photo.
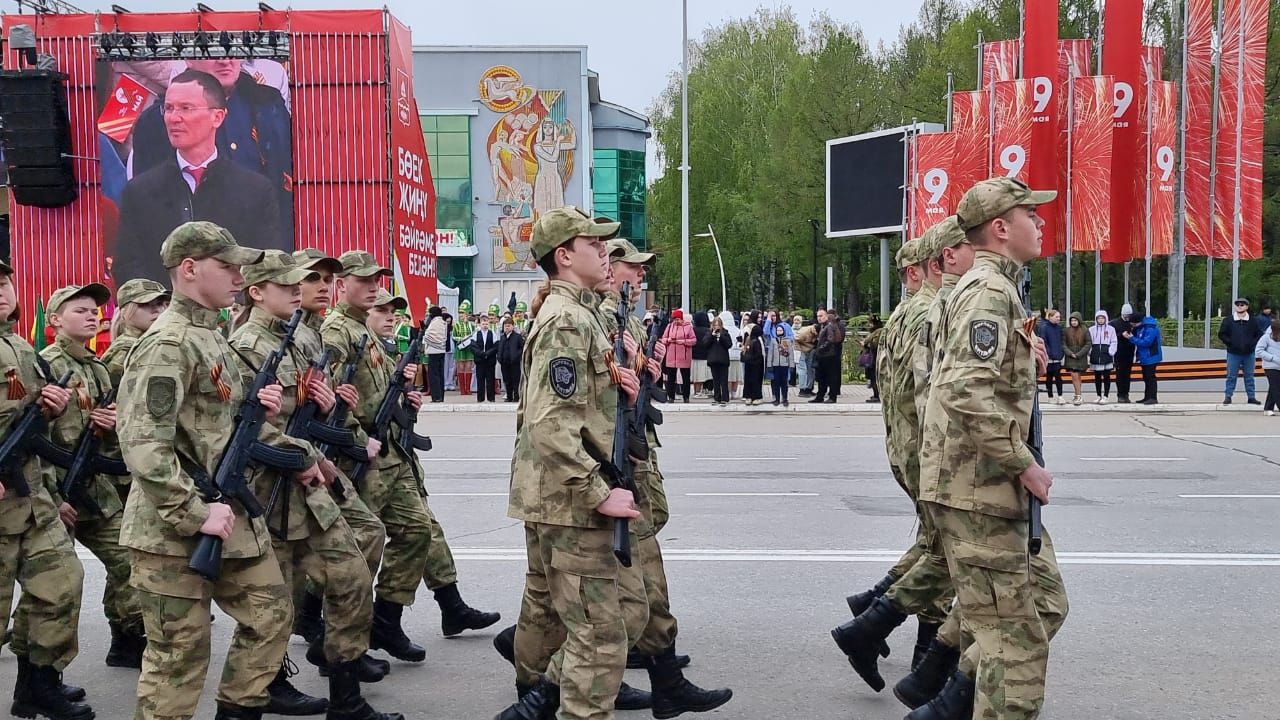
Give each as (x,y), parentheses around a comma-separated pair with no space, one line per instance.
(748,459)
(750,494)
(1137,459)
(1205,497)
(474,494)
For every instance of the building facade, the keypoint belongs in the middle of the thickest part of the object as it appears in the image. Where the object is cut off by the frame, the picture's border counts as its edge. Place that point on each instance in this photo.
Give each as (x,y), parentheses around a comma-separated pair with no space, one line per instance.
(513,132)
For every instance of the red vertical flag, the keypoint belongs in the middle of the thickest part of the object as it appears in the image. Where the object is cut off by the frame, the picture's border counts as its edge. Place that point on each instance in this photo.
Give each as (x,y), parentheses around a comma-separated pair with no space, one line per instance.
(413,216)
(972,129)
(1074,60)
(1197,76)
(1162,156)
(1237,194)
(999,62)
(1013,107)
(1122,59)
(1092,129)
(933,197)
(1040,66)
(1153,62)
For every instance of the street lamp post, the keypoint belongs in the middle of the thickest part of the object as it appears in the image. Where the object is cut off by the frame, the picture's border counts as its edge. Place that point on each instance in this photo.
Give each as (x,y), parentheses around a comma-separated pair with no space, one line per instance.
(724,295)
(684,158)
(814,274)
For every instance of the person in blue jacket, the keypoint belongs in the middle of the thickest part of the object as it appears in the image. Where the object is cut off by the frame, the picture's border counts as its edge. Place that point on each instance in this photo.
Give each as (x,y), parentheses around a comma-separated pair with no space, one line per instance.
(1145,336)
(1050,330)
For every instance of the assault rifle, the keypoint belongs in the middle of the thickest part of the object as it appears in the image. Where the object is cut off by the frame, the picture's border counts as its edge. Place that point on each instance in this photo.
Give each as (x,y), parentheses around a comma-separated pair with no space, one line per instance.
(85,462)
(26,437)
(1035,434)
(230,478)
(646,413)
(395,408)
(622,471)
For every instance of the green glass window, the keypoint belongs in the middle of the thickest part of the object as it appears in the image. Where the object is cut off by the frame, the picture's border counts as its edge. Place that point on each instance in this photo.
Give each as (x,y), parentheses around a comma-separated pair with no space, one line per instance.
(449,147)
(618,189)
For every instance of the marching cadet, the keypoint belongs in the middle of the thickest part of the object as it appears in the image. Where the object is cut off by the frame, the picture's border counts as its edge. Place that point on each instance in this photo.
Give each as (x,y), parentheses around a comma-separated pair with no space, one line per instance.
(560,480)
(73,312)
(977,471)
(179,396)
(393,488)
(35,548)
(308,531)
(138,303)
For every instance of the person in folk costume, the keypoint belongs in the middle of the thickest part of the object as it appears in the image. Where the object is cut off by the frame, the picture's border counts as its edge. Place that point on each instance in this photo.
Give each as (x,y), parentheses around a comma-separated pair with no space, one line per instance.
(464,360)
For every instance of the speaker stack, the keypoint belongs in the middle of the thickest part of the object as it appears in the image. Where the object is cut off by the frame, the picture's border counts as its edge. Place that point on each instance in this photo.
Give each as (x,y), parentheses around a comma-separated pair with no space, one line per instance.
(35,131)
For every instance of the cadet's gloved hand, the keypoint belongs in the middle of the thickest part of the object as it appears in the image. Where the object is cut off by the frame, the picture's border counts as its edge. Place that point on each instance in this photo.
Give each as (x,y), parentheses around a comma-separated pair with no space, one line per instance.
(349,393)
(54,399)
(319,390)
(272,398)
(103,418)
(220,521)
(620,504)
(1037,481)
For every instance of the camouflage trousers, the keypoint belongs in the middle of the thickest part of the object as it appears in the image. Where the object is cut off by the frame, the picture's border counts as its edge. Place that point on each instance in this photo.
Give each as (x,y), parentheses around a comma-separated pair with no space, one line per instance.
(1011,603)
(102,537)
(440,569)
(365,527)
(333,561)
(650,482)
(925,588)
(43,561)
(573,612)
(395,497)
(175,607)
(660,631)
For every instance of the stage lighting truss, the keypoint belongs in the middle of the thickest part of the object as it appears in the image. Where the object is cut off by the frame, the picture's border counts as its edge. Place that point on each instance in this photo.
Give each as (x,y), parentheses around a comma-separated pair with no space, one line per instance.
(245,45)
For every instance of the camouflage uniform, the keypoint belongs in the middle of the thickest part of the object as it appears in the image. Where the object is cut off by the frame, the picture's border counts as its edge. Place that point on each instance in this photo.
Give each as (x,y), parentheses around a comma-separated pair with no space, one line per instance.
(99,533)
(179,395)
(141,292)
(35,549)
(975,430)
(316,538)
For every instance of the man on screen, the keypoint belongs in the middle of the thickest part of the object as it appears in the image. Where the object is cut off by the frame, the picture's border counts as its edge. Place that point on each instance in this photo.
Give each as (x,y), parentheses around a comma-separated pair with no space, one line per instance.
(193,183)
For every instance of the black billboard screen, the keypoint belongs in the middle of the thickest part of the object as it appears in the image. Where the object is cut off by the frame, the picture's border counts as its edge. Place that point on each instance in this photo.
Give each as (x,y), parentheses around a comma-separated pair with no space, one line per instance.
(865,178)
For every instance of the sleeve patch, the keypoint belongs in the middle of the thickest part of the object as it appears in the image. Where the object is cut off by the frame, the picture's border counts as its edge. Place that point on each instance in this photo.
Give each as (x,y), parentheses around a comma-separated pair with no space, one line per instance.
(984,337)
(161,394)
(564,377)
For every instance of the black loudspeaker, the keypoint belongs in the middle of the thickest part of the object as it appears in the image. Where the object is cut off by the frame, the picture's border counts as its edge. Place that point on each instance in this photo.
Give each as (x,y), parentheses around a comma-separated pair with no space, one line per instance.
(35,130)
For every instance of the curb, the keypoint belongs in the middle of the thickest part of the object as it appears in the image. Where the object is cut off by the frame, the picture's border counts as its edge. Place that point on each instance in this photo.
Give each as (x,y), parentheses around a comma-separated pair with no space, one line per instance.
(866,409)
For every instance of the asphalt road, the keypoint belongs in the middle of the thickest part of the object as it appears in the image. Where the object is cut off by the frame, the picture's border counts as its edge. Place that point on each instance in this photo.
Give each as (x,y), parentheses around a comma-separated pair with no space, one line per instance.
(1164,525)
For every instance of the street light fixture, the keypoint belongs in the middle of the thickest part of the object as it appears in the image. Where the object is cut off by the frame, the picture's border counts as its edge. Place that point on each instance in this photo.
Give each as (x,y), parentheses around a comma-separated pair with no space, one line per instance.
(724,296)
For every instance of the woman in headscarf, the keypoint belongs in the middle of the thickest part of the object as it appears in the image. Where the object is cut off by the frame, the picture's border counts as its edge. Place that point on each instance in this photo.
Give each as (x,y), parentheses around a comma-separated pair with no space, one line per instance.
(735,352)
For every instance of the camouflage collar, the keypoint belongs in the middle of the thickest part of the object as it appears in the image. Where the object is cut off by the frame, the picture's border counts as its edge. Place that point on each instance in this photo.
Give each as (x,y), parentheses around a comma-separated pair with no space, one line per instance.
(199,315)
(1005,265)
(72,348)
(950,281)
(312,320)
(580,294)
(360,316)
(259,316)
(6,327)
(125,330)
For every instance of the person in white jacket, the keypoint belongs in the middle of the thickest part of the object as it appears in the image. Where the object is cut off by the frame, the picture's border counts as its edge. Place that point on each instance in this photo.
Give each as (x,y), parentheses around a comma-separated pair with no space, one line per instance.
(1268,350)
(434,346)
(1102,354)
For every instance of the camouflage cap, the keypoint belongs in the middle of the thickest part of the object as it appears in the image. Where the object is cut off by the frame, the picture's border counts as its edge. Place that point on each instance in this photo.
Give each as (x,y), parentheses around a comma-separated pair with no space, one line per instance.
(141,291)
(277,267)
(384,297)
(623,250)
(5,268)
(313,259)
(992,198)
(361,264)
(97,291)
(909,254)
(557,226)
(199,240)
(940,236)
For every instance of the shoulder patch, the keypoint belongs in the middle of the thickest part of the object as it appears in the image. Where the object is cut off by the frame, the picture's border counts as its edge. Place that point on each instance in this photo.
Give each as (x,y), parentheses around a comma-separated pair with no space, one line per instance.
(161,393)
(563,375)
(984,337)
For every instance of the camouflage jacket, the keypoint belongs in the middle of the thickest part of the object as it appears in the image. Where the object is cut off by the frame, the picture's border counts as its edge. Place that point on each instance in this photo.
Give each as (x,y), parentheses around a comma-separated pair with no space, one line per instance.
(565,419)
(255,338)
(898,386)
(116,354)
(979,409)
(19,384)
(89,380)
(179,397)
(928,340)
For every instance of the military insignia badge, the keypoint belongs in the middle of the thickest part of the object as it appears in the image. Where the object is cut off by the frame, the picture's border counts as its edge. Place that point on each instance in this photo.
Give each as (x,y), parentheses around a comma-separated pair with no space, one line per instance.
(984,336)
(564,377)
(161,393)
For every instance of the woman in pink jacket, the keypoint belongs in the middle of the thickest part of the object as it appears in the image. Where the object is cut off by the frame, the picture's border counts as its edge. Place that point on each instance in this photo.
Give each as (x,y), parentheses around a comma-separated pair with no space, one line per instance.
(679,340)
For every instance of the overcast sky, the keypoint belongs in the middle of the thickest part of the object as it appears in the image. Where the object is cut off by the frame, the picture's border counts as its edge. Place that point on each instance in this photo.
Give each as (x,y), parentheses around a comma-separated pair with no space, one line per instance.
(634,45)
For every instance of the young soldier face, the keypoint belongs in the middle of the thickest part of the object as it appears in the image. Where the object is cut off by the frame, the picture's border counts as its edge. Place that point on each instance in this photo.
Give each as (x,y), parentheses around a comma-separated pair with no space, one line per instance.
(8,296)
(317,293)
(361,292)
(382,320)
(278,300)
(1024,231)
(217,282)
(77,318)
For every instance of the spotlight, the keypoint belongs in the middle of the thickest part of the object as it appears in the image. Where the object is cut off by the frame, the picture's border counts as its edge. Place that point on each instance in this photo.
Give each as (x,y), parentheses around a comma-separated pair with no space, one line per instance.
(153,44)
(224,39)
(201,7)
(117,9)
(202,42)
(263,7)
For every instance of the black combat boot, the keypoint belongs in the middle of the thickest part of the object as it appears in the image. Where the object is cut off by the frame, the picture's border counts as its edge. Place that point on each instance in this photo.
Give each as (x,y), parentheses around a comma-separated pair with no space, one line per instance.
(43,697)
(345,701)
(505,643)
(860,639)
(368,669)
(925,633)
(630,698)
(955,702)
(21,689)
(307,620)
(227,711)
(285,699)
(127,643)
(539,702)
(859,603)
(636,661)
(674,695)
(456,615)
(388,635)
(927,679)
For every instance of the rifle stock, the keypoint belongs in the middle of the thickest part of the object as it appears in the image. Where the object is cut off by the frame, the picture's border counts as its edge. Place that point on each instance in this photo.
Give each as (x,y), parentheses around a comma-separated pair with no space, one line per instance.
(1035,435)
(394,409)
(86,462)
(622,470)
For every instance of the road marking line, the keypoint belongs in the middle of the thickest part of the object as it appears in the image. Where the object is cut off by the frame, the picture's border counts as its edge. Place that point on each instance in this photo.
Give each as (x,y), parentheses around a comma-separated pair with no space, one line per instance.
(1137,459)
(475,494)
(1203,497)
(750,494)
(749,459)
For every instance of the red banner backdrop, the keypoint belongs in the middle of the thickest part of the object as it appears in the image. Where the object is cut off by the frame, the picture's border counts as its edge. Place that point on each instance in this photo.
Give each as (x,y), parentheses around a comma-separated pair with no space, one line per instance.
(1074,60)
(1153,62)
(1198,78)
(999,62)
(972,129)
(1162,165)
(1122,59)
(1013,106)
(413,213)
(1093,107)
(933,196)
(1040,66)
(1239,159)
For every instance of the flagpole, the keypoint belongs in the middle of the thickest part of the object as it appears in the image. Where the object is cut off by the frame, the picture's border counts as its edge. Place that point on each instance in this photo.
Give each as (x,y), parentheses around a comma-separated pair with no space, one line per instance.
(951,88)
(684,160)
(1180,220)
(1151,122)
(1213,178)
(1237,211)
(1097,254)
(1071,126)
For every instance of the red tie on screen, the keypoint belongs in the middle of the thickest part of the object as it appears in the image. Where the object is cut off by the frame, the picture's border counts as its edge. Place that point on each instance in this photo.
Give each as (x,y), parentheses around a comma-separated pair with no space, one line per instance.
(196,174)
